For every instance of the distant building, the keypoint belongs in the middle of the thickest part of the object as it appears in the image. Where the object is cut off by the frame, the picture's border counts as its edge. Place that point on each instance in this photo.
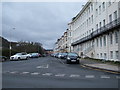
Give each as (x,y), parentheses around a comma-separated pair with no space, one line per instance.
(49,51)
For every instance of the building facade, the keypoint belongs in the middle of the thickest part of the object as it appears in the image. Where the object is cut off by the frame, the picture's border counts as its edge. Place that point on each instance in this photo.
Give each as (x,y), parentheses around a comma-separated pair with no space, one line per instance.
(62,43)
(96,30)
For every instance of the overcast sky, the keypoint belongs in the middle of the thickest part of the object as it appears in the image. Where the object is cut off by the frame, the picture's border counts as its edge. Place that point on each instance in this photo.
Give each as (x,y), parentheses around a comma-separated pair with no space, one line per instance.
(42,22)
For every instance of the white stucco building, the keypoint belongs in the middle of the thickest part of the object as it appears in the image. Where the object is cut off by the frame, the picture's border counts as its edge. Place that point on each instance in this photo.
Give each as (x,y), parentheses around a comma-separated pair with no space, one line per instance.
(96,30)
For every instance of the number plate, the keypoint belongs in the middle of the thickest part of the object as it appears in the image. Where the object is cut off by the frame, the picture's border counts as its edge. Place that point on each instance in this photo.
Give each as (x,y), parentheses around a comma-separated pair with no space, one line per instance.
(73,60)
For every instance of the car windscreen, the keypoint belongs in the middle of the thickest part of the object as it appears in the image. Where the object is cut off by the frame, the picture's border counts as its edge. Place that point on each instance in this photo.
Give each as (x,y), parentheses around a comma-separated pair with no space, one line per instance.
(64,53)
(34,53)
(72,54)
(18,54)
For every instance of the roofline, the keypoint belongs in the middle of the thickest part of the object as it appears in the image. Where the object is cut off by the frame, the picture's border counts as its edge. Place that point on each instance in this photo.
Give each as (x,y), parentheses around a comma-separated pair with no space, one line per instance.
(79,14)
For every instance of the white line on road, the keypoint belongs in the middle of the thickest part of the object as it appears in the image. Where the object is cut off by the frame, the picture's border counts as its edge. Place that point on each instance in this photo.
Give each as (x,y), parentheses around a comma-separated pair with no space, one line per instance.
(89,76)
(74,75)
(104,76)
(61,61)
(60,75)
(24,72)
(14,72)
(35,73)
(47,74)
(43,66)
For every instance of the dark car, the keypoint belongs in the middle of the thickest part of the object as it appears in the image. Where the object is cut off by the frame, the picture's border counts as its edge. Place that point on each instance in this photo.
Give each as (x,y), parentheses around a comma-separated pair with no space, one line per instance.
(3,58)
(63,55)
(44,55)
(72,58)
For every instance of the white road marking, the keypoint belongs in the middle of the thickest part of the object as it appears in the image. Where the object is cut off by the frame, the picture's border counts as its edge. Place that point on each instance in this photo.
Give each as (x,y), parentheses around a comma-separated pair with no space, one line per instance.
(89,76)
(14,72)
(74,75)
(118,77)
(47,74)
(35,73)
(24,72)
(60,75)
(105,76)
(43,66)
(61,61)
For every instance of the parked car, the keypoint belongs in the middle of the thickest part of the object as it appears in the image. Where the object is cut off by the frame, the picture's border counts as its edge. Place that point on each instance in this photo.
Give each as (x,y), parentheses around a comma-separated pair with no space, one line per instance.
(52,55)
(34,55)
(29,55)
(39,55)
(44,55)
(3,58)
(55,54)
(19,56)
(59,55)
(72,58)
(63,55)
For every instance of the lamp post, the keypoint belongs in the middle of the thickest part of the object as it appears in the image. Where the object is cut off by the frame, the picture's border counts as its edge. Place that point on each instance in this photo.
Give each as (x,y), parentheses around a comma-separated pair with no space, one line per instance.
(10,47)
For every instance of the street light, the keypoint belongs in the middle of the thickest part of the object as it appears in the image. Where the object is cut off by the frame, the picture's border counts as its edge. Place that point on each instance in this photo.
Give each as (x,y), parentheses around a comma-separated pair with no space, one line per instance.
(10,42)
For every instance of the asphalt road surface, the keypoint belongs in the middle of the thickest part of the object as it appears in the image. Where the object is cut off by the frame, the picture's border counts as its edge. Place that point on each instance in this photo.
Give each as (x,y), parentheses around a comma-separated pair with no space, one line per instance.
(50,72)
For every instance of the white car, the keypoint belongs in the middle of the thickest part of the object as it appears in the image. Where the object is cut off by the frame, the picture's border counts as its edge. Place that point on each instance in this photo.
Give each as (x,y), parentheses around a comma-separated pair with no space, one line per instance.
(19,56)
(29,55)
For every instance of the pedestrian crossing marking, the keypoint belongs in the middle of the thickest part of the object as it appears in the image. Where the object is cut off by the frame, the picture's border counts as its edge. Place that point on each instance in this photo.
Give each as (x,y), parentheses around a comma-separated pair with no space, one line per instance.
(89,76)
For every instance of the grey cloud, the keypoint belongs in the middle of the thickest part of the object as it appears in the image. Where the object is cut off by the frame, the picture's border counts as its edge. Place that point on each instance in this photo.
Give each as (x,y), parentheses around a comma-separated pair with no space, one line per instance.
(43,22)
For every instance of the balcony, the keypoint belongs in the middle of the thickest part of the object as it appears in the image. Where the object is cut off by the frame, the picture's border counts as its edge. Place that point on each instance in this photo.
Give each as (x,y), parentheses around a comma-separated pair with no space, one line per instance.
(105,29)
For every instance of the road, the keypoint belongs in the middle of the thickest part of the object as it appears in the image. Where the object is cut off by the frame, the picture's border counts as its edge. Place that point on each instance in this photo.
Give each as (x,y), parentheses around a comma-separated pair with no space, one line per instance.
(50,72)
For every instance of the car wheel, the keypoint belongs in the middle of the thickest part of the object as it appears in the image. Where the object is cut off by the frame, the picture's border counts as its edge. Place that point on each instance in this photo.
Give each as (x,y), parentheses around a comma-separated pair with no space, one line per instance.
(18,58)
(26,58)
(77,62)
(67,62)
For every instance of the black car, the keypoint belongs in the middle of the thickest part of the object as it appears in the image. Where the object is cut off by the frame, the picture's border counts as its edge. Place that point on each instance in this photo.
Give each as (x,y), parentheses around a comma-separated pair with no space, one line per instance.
(3,58)
(63,55)
(72,58)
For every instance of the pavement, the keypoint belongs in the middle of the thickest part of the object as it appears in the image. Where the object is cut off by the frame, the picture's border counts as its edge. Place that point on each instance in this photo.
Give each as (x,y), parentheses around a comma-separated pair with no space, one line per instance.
(99,65)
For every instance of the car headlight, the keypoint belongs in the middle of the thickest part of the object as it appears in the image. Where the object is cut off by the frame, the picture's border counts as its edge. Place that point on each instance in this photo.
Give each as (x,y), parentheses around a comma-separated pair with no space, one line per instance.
(68,58)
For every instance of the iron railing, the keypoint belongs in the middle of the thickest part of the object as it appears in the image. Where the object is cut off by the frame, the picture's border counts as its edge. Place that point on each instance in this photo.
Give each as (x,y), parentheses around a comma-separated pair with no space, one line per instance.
(105,29)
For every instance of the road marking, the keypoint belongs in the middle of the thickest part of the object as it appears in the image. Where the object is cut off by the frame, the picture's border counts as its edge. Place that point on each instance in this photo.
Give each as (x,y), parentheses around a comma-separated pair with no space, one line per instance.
(118,77)
(35,73)
(74,75)
(60,75)
(89,76)
(43,66)
(47,74)
(24,72)
(61,61)
(14,72)
(105,76)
